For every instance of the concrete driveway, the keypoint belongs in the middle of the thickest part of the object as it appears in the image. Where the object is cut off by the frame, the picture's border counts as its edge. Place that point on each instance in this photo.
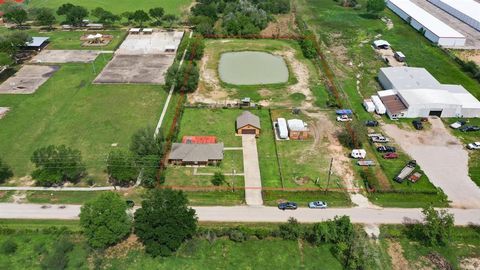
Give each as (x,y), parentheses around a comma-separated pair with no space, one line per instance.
(251,169)
(443,158)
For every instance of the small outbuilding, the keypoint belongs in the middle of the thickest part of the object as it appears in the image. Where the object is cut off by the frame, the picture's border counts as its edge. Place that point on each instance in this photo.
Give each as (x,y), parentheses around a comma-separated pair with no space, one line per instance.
(298,130)
(94,26)
(399,56)
(368,105)
(248,123)
(147,31)
(196,154)
(37,43)
(134,31)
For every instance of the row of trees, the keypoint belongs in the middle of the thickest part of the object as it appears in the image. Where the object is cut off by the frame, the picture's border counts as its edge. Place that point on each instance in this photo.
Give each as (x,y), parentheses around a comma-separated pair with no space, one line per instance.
(162,224)
(75,14)
(239,17)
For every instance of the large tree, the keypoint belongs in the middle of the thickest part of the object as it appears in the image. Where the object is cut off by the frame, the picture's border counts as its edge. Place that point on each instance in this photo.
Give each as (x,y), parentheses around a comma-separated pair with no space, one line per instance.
(74,15)
(165,221)
(16,14)
(105,16)
(185,79)
(104,220)
(57,164)
(140,17)
(157,14)
(45,17)
(375,7)
(170,19)
(121,167)
(145,143)
(5,172)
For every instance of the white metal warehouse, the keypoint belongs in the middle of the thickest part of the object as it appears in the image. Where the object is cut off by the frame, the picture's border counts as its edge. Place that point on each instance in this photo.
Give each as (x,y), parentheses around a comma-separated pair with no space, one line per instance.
(435,30)
(468,11)
(414,92)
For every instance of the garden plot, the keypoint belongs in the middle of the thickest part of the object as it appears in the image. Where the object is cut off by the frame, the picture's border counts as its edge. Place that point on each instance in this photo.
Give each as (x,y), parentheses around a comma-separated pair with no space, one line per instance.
(142,59)
(28,79)
(65,56)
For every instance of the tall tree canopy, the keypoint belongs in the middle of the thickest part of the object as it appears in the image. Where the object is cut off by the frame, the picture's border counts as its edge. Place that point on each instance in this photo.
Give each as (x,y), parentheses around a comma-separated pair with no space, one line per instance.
(104,220)
(74,15)
(57,164)
(5,172)
(165,221)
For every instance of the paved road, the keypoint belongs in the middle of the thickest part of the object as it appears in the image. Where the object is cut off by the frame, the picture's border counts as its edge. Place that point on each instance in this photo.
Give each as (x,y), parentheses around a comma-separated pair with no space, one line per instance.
(251,170)
(443,158)
(254,214)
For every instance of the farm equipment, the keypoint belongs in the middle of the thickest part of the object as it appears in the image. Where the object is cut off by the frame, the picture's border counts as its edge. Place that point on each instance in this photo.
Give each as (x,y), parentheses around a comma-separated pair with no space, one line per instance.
(406,171)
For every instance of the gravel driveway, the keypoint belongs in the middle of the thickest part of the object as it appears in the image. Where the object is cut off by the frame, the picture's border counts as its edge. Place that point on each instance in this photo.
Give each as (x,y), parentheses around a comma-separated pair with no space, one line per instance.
(443,158)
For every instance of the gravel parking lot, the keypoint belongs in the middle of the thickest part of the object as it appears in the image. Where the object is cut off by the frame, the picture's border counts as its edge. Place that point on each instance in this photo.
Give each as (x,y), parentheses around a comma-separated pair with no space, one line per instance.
(443,158)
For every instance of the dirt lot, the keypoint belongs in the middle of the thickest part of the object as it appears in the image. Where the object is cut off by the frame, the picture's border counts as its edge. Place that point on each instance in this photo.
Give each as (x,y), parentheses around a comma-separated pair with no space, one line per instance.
(470,55)
(65,56)
(27,80)
(283,25)
(443,158)
(136,69)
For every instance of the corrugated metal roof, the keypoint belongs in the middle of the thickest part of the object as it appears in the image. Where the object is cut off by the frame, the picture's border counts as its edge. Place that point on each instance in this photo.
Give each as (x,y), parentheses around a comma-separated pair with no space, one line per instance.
(297,125)
(426,19)
(409,77)
(248,118)
(470,8)
(37,41)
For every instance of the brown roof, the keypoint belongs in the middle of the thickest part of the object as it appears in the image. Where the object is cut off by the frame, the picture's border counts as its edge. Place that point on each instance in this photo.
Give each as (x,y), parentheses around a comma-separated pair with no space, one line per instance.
(248,118)
(393,104)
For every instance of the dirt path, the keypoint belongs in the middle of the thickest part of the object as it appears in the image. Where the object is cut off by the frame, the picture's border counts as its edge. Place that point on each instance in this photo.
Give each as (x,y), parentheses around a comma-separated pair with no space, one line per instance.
(395,251)
(443,158)
(323,127)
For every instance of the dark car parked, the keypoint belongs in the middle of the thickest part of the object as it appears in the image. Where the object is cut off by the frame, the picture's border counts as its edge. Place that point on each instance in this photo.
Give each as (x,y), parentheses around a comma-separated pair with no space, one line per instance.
(371,123)
(386,149)
(469,128)
(417,124)
(287,206)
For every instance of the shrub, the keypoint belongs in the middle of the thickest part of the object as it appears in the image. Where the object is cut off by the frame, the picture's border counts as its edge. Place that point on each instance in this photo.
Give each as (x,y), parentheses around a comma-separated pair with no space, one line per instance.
(9,247)
(236,235)
(218,179)
(5,172)
(58,258)
(291,230)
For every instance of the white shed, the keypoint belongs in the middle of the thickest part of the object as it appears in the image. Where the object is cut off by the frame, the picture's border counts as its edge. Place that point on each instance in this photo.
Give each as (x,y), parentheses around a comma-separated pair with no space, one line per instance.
(282,128)
(468,11)
(434,29)
(379,107)
(368,105)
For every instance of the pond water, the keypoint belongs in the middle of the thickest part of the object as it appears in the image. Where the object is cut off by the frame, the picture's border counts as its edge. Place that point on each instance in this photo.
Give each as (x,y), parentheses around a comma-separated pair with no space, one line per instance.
(250,68)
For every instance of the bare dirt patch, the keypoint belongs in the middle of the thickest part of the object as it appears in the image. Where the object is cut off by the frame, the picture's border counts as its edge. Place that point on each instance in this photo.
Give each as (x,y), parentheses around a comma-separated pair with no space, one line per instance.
(283,25)
(470,55)
(27,80)
(395,251)
(470,264)
(3,111)
(122,249)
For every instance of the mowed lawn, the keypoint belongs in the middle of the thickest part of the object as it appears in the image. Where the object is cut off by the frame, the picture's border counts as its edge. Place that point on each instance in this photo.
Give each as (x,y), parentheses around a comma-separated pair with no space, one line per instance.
(68,109)
(176,7)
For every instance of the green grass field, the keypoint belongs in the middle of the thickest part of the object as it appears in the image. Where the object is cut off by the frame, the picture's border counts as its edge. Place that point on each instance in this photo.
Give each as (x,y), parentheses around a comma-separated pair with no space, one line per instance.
(70,40)
(176,7)
(68,109)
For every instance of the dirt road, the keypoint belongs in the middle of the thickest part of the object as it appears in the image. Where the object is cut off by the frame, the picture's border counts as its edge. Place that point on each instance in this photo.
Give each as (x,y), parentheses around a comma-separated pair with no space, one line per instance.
(254,214)
(443,158)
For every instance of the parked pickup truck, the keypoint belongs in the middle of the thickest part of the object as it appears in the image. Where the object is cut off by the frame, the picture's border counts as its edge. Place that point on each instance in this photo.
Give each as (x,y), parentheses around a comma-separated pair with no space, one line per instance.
(380,139)
(406,171)
(366,163)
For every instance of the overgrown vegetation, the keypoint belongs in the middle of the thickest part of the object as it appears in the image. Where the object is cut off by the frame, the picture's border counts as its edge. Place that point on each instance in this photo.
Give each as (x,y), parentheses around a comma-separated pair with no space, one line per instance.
(5,171)
(238,17)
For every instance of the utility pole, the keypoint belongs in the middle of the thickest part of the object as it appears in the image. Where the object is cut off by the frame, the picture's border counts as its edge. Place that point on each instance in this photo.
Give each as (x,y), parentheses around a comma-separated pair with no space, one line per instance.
(329,175)
(233,180)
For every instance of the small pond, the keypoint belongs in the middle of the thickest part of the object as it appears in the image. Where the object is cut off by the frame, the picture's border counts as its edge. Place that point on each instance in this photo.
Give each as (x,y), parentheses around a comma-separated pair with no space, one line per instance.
(250,68)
